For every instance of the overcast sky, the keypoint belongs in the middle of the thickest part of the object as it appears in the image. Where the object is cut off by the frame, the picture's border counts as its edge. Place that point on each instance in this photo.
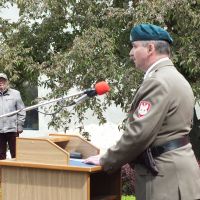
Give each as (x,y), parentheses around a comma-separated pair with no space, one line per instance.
(11,13)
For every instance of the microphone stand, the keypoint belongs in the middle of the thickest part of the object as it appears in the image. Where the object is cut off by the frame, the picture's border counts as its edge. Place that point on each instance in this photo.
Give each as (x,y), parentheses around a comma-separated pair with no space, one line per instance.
(42,104)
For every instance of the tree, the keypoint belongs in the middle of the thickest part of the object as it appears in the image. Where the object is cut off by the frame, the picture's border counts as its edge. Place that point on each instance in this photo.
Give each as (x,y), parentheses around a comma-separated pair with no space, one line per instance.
(78,43)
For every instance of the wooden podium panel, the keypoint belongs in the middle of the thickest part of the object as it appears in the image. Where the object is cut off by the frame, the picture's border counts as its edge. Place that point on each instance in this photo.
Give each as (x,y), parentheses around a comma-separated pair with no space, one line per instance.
(40,151)
(43,170)
(20,183)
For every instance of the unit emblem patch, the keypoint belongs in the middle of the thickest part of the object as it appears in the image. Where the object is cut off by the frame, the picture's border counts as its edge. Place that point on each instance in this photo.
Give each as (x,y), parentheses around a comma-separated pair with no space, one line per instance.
(143,108)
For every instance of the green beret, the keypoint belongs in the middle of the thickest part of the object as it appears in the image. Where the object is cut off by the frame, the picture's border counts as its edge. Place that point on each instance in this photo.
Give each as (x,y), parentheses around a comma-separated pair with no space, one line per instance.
(149,32)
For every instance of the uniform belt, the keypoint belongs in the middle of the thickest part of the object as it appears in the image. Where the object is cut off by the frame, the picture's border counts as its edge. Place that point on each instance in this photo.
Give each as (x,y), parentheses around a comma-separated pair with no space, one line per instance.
(170,145)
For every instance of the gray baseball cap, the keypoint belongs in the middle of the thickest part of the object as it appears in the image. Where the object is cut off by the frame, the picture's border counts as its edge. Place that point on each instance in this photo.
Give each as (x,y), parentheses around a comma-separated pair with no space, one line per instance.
(2,75)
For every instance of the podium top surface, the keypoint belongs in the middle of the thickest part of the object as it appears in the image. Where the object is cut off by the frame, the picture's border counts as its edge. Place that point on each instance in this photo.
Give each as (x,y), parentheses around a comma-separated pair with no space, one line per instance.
(74,165)
(52,138)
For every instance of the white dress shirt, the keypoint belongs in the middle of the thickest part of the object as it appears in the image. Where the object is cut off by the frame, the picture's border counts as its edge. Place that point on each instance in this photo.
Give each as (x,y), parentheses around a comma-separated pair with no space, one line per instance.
(154,64)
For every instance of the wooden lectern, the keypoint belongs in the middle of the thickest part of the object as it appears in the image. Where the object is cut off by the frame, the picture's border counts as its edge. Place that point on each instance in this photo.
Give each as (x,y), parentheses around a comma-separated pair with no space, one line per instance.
(43,170)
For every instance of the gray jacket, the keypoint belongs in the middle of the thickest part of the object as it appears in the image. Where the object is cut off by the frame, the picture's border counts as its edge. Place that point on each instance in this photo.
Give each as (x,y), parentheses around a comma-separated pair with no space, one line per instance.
(10,100)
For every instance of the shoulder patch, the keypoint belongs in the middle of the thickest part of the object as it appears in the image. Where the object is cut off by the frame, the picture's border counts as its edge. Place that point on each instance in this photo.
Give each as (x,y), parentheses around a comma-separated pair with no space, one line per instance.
(143,108)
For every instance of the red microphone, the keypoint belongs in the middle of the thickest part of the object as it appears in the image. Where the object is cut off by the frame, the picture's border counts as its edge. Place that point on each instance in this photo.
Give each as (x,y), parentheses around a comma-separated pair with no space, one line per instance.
(102,87)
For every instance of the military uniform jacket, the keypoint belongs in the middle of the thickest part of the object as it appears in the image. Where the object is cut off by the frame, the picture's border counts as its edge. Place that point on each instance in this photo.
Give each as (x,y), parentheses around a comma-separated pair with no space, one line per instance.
(162,110)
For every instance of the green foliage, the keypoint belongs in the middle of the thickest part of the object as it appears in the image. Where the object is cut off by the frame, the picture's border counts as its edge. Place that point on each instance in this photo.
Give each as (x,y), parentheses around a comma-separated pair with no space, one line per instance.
(128,180)
(78,43)
(128,198)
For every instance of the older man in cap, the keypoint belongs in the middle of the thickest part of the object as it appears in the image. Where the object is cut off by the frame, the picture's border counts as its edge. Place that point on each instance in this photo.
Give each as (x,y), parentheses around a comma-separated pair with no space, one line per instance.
(158,124)
(10,126)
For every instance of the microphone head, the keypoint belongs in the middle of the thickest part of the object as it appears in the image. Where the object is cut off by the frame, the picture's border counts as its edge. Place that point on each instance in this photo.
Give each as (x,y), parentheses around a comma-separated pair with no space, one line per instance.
(102,87)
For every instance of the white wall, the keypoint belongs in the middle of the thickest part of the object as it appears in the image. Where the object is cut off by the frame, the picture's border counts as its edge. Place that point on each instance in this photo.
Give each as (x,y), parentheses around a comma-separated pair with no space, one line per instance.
(102,136)
(197,108)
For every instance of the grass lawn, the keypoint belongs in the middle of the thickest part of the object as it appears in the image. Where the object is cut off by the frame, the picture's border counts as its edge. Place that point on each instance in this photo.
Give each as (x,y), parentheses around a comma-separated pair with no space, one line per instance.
(128,198)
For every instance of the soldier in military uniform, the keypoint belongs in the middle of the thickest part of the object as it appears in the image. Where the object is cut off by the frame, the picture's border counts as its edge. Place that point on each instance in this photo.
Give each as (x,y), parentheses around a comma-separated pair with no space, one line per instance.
(158,124)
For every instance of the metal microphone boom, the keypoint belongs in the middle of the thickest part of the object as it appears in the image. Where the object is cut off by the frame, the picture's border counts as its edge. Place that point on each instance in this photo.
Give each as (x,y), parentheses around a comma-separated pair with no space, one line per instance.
(44,103)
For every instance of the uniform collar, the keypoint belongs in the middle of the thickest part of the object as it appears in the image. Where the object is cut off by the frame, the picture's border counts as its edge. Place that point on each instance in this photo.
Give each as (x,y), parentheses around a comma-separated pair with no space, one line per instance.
(153,65)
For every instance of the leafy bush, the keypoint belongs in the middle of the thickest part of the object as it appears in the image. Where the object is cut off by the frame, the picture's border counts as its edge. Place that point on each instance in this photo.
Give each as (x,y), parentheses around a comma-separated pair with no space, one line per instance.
(128,180)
